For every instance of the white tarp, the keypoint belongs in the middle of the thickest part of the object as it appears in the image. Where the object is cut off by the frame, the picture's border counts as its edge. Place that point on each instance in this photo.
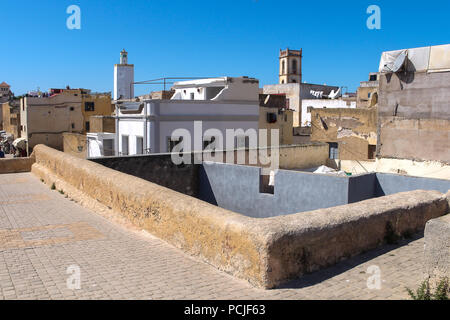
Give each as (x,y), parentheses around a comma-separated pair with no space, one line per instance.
(327,170)
(432,59)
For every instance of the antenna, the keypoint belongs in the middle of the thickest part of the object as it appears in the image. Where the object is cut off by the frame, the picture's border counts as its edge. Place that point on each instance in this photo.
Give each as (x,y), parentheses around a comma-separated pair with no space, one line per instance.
(399,61)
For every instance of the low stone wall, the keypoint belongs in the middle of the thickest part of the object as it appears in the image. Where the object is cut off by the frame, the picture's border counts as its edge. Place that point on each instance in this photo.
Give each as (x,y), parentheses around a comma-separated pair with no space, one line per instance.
(266,252)
(437,249)
(16,165)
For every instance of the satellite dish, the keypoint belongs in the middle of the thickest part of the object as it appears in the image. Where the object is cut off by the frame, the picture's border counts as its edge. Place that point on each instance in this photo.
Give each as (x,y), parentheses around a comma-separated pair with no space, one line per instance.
(399,61)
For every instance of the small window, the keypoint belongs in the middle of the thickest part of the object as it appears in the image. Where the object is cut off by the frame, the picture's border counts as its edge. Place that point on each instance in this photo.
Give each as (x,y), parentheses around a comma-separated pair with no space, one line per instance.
(369,94)
(373,77)
(372,151)
(192,96)
(139,145)
(88,127)
(72,108)
(89,106)
(333,150)
(73,125)
(271,117)
(125,140)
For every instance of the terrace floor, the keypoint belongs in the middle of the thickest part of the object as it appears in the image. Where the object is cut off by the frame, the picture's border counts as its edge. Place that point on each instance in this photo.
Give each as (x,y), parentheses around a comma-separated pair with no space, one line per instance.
(43,233)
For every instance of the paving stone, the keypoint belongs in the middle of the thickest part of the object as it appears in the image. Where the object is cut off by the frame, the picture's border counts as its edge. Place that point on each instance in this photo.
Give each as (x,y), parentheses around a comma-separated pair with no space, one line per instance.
(54,233)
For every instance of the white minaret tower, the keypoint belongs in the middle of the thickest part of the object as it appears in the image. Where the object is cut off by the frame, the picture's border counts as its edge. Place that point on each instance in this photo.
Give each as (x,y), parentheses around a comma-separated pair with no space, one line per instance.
(123,78)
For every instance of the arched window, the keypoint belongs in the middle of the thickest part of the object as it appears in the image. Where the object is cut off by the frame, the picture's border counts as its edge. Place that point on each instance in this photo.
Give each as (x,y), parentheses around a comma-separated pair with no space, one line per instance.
(283,67)
(294,66)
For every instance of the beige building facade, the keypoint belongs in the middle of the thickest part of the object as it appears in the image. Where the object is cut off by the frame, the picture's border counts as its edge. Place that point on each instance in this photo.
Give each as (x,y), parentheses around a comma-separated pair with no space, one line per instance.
(45,118)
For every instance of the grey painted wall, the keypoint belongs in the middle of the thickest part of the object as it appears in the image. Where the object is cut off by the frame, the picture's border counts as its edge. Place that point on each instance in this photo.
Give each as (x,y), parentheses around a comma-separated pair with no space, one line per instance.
(237,188)
(388,184)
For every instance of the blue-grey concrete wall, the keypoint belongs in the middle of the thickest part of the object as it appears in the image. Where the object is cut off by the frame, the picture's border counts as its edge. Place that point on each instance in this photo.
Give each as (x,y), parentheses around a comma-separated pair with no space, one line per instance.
(361,187)
(388,184)
(237,188)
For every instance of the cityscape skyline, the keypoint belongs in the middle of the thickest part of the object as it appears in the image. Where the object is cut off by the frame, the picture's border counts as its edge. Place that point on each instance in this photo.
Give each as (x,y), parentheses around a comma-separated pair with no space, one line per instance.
(170,40)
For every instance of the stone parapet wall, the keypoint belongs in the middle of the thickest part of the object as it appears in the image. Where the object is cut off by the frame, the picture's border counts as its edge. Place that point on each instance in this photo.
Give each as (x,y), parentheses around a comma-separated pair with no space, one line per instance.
(15,165)
(266,252)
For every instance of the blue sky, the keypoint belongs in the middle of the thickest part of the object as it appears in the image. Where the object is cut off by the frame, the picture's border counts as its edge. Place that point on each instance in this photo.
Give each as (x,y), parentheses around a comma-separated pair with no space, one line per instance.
(206,38)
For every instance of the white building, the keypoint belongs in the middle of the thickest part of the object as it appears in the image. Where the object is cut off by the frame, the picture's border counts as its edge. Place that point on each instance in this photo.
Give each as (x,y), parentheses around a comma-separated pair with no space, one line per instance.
(148,126)
(308,104)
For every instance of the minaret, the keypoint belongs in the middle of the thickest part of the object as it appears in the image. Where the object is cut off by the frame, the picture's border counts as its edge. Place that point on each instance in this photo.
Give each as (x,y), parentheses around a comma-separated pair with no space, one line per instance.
(123,78)
(290,66)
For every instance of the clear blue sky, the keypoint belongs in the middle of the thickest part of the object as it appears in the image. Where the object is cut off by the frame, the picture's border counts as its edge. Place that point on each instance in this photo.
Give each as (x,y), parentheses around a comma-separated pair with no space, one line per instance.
(206,38)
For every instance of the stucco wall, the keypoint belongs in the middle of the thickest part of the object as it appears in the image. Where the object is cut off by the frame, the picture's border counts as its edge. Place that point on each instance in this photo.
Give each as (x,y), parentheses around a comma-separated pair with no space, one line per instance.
(16,165)
(414,116)
(437,249)
(158,169)
(353,129)
(266,252)
(75,144)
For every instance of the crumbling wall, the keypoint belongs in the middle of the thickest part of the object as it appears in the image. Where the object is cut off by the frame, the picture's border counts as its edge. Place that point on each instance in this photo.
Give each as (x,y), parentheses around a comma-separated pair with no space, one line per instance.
(15,165)
(353,129)
(437,249)
(414,116)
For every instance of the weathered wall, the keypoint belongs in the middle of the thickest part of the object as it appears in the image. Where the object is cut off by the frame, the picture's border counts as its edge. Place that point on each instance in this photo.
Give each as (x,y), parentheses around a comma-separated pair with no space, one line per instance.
(353,129)
(227,240)
(437,249)
(102,124)
(427,169)
(158,169)
(414,116)
(14,165)
(75,144)
(308,241)
(266,252)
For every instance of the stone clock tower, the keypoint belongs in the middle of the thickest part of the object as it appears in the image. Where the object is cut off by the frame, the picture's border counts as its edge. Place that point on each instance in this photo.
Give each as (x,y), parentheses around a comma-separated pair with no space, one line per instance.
(290,66)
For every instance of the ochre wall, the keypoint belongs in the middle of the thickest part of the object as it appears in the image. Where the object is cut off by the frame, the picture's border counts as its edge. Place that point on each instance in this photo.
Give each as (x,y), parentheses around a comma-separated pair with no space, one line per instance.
(353,129)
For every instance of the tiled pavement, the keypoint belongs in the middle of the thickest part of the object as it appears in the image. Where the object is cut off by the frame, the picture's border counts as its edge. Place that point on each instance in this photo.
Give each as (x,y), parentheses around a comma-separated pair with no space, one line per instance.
(43,233)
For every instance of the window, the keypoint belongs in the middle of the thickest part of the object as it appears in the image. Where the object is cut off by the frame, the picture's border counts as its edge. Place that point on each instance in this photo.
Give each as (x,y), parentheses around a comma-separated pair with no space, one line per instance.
(89,106)
(73,125)
(283,67)
(372,151)
(333,150)
(88,127)
(294,67)
(72,108)
(139,145)
(108,147)
(373,77)
(369,94)
(125,140)
(192,96)
(271,117)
